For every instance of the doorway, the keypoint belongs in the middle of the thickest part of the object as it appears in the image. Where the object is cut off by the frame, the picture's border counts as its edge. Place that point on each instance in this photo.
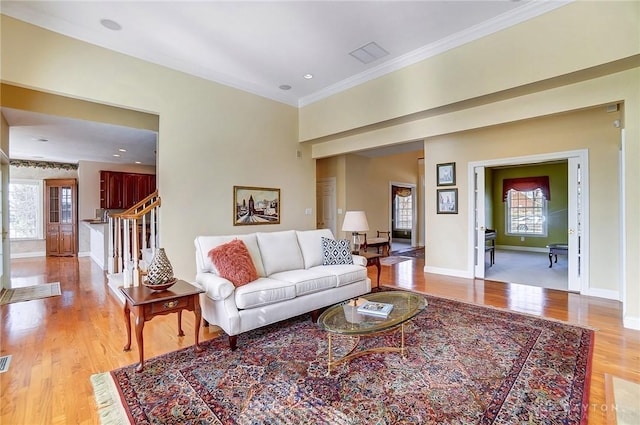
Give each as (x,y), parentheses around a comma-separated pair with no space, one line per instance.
(577,212)
(403,216)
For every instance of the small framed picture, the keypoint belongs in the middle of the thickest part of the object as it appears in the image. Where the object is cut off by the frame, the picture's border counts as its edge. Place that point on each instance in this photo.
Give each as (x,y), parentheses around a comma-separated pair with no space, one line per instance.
(255,205)
(446,174)
(447,201)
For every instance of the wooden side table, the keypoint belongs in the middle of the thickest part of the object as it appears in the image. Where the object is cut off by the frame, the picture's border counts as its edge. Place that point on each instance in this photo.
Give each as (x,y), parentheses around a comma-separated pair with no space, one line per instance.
(146,304)
(373,259)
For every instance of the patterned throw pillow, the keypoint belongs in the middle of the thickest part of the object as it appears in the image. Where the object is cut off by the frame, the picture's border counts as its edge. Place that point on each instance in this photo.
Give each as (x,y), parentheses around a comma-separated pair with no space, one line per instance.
(336,252)
(234,262)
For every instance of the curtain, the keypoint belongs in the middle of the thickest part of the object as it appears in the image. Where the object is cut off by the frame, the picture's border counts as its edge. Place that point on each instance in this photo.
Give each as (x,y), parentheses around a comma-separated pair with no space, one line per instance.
(401,191)
(525,184)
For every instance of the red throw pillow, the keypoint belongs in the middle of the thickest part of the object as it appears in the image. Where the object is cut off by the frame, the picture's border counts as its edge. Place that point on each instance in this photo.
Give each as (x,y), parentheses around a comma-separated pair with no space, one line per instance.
(234,262)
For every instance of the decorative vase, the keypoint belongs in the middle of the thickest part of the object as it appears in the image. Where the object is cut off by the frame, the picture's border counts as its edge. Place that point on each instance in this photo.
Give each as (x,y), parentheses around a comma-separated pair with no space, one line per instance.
(159,272)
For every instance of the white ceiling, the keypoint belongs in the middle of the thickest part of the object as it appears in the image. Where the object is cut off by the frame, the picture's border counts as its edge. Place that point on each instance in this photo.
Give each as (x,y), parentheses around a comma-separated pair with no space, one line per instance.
(259,46)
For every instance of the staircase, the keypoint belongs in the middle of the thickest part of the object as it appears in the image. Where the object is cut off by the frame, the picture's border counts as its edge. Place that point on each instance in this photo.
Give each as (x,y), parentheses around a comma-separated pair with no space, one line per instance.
(133,239)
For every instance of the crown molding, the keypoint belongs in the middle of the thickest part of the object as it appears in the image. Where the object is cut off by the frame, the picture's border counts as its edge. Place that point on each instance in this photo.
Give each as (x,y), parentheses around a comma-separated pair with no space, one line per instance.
(506,20)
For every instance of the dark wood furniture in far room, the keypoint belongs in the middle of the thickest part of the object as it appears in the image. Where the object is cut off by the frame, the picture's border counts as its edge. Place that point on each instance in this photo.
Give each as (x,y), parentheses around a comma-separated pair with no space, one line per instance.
(490,245)
(557,249)
(61,219)
(382,240)
(145,304)
(123,190)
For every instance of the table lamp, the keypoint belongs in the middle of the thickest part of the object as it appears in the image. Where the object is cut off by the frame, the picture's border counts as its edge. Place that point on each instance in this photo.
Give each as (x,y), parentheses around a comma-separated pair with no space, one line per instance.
(355,222)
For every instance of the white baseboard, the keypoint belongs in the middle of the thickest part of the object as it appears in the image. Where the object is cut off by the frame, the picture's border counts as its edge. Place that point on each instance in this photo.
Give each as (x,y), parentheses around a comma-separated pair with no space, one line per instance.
(522,248)
(602,293)
(28,254)
(631,323)
(449,272)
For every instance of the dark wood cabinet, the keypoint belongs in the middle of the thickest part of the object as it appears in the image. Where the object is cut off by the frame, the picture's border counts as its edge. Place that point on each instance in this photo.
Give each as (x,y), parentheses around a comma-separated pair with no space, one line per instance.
(61,209)
(123,190)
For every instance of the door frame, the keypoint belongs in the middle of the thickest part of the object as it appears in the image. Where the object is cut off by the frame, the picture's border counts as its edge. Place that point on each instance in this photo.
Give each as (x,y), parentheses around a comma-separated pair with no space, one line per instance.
(331,182)
(578,283)
(414,212)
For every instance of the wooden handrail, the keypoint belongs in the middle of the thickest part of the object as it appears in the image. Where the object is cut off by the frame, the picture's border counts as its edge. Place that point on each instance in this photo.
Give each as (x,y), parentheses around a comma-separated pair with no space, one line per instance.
(133,213)
(140,213)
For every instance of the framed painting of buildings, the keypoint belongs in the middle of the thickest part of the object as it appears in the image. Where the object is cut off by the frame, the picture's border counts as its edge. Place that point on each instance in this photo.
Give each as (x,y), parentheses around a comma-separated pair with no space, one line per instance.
(446,174)
(255,205)
(447,201)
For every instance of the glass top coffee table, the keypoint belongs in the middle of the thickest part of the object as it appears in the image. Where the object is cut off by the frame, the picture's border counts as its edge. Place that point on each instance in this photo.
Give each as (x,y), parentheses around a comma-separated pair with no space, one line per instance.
(344,319)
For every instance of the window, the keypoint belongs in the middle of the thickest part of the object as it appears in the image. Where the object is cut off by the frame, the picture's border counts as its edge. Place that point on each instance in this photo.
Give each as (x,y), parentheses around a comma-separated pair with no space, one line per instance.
(404,212)
(25,209)
(526,213)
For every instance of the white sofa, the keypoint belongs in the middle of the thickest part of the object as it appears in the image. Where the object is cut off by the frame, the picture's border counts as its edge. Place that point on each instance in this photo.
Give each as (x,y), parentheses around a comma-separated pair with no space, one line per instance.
(292,280)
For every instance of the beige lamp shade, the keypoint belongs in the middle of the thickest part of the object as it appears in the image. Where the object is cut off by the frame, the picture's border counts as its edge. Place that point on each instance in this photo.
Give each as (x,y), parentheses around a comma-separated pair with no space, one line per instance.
(355,221)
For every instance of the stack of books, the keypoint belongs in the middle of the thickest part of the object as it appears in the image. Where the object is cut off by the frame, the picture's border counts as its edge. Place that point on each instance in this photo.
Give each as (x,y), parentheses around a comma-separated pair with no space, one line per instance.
(374,308)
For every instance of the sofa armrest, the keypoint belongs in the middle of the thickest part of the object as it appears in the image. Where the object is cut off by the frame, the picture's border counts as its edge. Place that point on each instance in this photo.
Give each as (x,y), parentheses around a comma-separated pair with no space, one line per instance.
(215,287)
(359,260)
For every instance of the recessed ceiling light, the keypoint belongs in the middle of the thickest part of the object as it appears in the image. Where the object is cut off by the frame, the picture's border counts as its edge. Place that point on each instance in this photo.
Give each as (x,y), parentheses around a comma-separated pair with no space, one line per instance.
(122,150)
(110,24)
(285,87)
(117,155)
(138,162)
(308,76)
(40,139)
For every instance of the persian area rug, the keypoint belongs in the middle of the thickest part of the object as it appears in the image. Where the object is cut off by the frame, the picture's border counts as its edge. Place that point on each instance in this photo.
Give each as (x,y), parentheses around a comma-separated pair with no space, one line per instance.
(464,364)
(28,293)
(393,259)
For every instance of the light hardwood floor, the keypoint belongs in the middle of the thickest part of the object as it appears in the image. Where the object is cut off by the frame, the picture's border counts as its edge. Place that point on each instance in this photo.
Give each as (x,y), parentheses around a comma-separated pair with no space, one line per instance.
(58,343)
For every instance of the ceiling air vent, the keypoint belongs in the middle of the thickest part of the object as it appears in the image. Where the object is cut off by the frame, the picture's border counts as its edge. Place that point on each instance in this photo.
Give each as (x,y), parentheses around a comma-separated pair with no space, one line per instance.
(369,53)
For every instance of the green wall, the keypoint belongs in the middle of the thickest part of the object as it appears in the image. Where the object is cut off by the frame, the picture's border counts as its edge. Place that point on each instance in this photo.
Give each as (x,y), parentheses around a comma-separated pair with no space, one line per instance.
(557,214)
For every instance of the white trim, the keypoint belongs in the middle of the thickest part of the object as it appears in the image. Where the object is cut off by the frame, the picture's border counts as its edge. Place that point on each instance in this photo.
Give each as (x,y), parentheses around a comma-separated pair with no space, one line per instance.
(623,239)
(31,254)
(583,155)
(631,323)
(449,272)
(602,293)
(528,11)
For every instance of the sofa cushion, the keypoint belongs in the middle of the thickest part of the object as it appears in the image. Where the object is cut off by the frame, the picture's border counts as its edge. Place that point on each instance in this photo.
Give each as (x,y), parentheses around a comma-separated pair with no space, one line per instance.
(264,291)
(344,273)
(336,251)
(307,281)
(310,242)
(279,251)
(204,244)
(234,263)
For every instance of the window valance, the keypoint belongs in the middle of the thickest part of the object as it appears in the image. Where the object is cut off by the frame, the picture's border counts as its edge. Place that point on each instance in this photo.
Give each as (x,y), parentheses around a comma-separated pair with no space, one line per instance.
(401,191)
(523,184)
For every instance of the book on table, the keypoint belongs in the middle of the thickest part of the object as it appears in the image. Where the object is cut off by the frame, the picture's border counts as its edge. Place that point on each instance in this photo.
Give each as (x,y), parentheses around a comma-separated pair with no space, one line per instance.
(374,308)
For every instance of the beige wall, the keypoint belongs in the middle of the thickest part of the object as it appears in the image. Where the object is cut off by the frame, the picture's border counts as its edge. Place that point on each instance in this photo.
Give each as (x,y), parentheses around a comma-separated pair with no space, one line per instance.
(495,82)
(527,56)
(211,137)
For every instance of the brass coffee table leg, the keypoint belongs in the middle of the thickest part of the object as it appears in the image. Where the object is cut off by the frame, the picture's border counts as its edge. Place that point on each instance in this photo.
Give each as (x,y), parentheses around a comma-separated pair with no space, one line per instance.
(402,340)
(330,355)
